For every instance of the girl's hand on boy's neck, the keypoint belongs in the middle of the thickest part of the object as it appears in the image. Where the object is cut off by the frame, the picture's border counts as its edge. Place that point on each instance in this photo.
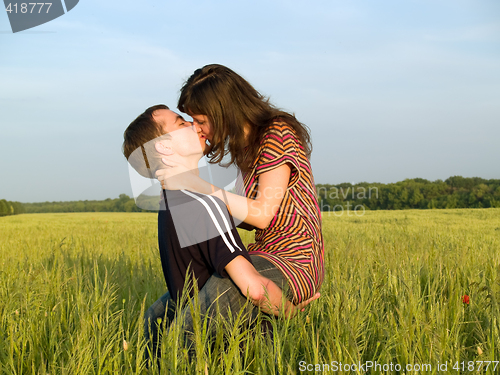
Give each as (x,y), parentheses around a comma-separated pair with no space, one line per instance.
(177,176)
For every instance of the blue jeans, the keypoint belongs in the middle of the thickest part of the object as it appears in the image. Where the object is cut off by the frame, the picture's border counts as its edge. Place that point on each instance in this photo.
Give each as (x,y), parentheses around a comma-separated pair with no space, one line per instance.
(217,290)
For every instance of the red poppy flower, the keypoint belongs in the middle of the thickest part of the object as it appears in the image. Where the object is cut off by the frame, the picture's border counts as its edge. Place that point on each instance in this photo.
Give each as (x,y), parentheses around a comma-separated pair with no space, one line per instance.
(465,299)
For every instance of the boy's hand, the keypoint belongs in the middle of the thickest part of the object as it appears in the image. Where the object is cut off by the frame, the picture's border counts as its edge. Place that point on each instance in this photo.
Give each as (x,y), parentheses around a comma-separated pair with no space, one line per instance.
(294,309)
(301,306)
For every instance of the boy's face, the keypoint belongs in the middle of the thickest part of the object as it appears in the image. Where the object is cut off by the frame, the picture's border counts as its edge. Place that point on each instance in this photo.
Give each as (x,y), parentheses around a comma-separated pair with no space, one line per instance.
(180,136)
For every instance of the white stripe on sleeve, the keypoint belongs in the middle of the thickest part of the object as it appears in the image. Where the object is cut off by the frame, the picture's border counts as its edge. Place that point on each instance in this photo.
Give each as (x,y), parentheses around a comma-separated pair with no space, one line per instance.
(228,227)
(211,214)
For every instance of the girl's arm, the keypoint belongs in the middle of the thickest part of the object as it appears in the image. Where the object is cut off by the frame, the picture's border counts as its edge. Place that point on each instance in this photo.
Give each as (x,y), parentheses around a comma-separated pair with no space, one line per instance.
(263,292)
(257,212)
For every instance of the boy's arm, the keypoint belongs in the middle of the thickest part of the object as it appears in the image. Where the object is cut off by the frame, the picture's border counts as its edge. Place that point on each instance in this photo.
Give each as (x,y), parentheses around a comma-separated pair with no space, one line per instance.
(246,226)
(263,292)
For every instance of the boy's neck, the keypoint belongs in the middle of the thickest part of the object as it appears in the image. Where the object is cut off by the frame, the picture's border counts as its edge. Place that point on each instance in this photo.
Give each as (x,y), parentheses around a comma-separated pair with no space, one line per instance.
(190,163)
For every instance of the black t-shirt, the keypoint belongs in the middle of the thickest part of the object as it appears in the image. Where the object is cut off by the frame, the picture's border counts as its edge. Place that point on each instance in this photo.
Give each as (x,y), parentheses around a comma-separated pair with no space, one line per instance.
(195,232)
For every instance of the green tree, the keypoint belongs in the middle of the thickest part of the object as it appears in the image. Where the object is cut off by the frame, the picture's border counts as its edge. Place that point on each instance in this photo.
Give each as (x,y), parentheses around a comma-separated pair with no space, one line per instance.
(416,198)
(4,209)
(452,201)
(130,206)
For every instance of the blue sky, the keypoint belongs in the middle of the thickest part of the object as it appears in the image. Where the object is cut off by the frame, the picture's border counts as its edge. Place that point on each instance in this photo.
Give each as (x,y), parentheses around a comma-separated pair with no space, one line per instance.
(390,89)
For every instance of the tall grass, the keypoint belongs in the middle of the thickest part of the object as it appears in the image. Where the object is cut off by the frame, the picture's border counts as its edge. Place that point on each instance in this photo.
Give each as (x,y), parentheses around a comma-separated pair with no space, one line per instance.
(73,288)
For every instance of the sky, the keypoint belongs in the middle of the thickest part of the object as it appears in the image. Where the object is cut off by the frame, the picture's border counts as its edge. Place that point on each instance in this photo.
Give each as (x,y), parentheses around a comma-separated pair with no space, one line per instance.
(390,89)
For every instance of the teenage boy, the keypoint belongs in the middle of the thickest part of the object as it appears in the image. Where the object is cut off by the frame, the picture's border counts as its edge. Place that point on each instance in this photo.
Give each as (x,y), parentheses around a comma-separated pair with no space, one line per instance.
(196,234)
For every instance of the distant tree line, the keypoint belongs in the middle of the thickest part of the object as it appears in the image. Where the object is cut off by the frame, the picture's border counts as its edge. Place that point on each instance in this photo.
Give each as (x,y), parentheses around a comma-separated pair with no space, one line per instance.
(10,208)
(122,204)
(454,192)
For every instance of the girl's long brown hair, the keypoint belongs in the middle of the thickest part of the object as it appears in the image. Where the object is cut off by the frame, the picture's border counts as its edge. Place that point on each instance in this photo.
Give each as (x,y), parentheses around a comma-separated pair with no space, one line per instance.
(230,102)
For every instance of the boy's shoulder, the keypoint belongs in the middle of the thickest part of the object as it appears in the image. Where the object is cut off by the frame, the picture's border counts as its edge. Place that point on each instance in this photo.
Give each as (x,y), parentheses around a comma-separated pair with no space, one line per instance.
(175,198)
(197,217)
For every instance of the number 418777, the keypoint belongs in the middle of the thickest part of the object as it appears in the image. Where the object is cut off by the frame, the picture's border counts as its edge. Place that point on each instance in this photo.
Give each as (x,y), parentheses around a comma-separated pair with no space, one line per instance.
(24,7)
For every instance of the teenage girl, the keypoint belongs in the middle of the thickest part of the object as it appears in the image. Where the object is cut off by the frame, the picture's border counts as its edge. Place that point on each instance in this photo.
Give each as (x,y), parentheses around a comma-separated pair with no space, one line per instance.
(272,149)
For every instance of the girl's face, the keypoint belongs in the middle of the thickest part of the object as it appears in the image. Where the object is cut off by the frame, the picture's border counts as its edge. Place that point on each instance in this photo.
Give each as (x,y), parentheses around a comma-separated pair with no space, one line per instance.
(202,123)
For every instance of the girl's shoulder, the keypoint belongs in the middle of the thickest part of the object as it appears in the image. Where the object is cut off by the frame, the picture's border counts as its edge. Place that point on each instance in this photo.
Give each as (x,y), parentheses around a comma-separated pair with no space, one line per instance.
(279,126)
(279,135)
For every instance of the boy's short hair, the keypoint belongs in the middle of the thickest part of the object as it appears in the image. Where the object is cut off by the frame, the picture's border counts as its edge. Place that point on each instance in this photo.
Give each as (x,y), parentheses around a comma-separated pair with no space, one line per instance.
(137,145)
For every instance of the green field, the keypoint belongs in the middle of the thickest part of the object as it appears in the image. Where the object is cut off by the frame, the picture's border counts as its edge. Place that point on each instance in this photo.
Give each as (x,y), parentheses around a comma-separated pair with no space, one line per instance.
(73,288)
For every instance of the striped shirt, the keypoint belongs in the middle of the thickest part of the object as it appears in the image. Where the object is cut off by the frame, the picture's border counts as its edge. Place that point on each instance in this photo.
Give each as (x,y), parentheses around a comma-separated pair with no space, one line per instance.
(292,241)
